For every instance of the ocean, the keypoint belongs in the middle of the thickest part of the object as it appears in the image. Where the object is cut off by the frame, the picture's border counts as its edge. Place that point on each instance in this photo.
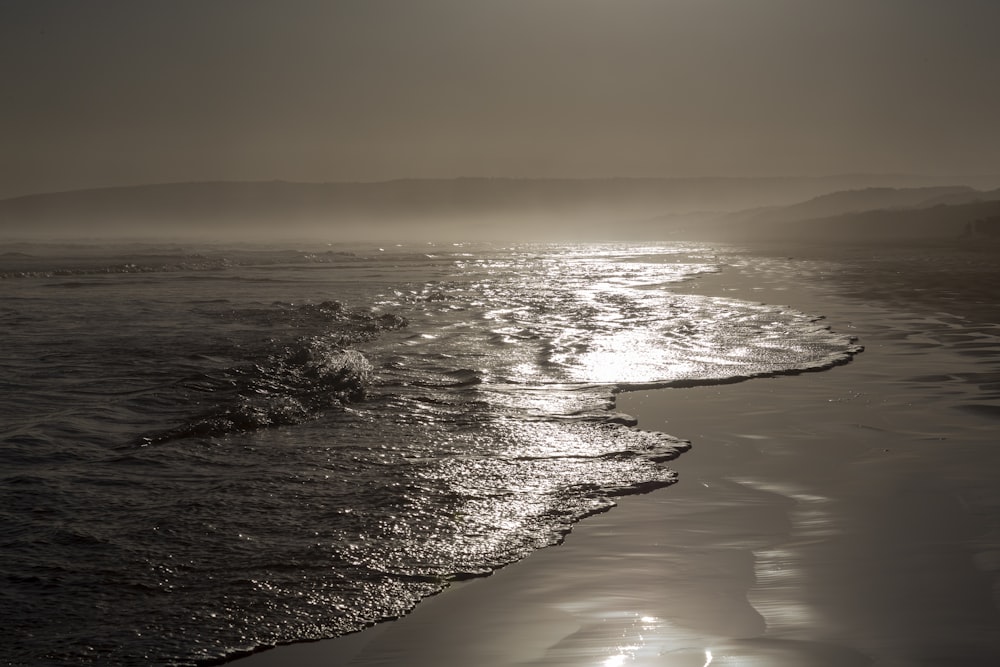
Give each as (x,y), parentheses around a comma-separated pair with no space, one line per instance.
(211,449)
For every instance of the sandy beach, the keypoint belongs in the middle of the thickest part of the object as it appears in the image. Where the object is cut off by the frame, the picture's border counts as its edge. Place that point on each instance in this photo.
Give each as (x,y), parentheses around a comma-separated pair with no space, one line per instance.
(837,518)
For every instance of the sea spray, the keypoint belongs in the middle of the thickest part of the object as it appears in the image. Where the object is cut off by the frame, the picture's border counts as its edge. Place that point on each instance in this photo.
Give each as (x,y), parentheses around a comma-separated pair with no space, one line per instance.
(229,448)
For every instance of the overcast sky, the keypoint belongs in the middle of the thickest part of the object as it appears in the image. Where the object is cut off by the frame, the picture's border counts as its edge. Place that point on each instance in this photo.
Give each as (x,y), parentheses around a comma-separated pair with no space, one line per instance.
(96,93)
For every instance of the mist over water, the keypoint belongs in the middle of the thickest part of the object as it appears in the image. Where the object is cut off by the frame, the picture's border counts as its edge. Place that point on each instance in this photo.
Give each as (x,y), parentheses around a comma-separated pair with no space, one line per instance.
(222,432)
(213,449)
(458,210)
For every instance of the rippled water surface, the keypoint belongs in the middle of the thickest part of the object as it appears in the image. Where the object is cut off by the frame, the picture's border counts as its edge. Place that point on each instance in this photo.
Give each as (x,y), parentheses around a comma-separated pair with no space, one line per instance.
(208,450)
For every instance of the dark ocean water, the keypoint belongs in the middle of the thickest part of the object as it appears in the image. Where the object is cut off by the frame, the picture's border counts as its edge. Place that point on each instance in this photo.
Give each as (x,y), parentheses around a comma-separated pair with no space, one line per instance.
(208,450)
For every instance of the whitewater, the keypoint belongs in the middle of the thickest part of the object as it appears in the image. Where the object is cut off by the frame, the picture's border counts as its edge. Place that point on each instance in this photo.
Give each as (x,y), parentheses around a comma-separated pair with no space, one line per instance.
(211,449)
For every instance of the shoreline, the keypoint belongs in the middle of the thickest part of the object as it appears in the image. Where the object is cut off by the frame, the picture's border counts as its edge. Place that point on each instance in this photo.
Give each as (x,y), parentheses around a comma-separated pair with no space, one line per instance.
(845,517)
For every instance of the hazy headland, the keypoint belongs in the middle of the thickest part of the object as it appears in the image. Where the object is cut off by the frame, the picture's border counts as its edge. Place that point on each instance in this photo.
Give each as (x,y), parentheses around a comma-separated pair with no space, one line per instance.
(831,209)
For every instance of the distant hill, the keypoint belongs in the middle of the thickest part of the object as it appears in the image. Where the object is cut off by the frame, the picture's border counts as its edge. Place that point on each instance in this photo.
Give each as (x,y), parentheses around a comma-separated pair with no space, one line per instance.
(938,222)
(855,201)
(933,222)
(463,208)
(867,215)
(956,198)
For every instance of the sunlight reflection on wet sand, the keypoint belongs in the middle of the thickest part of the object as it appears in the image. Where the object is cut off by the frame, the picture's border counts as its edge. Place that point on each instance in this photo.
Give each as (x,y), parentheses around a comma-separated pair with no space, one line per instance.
(828,520)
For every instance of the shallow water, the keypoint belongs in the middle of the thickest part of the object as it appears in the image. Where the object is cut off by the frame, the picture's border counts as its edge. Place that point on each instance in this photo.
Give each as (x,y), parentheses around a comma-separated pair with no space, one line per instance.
(208,450)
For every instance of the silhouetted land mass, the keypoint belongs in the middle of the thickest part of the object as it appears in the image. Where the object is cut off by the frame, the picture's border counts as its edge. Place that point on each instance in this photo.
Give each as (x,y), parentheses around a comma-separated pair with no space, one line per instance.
(856,201)
(984,228)
(873,215)
(462,208)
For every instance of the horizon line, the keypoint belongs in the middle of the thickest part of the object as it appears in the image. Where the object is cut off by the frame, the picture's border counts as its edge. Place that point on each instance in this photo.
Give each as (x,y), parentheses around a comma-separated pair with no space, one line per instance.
(439,179)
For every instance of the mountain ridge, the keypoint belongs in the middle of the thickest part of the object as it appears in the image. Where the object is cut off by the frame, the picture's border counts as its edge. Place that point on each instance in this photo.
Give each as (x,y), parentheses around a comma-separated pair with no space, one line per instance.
(468,207)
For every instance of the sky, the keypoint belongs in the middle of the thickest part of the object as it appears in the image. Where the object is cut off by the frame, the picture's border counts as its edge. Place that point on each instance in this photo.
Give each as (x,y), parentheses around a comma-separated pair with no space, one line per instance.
(118,92)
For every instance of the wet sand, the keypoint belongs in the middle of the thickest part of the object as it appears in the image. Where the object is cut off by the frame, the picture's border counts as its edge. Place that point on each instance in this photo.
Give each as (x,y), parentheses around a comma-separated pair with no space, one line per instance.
(837,518)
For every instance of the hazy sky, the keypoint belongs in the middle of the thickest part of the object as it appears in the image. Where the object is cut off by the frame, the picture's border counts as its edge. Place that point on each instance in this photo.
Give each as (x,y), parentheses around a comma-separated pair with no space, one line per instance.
(97,93)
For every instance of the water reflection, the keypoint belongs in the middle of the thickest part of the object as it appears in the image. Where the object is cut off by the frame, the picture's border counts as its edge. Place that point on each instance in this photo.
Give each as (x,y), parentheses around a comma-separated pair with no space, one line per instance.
(634,643)
(778,569)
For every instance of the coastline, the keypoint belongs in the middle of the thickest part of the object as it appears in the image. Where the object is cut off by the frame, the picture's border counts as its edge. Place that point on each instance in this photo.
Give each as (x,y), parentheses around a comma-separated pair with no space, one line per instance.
(846,517)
